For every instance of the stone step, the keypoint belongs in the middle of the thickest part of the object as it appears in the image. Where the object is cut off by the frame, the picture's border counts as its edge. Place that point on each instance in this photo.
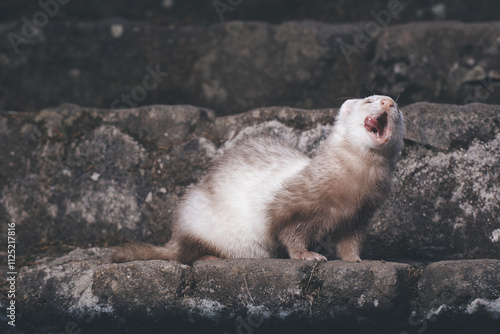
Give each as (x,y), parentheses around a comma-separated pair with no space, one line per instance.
(236,66)
(82,176)
(80,291)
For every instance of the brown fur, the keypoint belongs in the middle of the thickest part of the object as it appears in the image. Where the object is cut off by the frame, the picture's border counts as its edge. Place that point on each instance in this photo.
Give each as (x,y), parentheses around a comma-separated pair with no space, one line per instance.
(193,249)
(337,193)
(185,249)
(140,252)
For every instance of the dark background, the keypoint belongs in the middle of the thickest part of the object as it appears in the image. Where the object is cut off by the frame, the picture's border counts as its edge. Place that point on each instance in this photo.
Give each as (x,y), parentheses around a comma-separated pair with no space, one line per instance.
(73,58)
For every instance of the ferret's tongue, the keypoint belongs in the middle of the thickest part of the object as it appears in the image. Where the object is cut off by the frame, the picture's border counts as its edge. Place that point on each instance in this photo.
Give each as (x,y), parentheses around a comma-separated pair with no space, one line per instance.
(374,126)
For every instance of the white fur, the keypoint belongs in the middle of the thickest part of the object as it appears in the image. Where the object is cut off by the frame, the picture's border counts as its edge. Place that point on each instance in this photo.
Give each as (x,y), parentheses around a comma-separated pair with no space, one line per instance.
(350,125)
(233,215)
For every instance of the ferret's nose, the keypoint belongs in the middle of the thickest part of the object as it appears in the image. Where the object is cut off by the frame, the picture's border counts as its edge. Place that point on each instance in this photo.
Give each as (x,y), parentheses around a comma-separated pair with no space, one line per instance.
(386,104)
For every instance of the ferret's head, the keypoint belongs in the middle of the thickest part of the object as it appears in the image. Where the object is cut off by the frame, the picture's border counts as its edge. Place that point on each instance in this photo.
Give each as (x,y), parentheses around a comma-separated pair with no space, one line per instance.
(373,123)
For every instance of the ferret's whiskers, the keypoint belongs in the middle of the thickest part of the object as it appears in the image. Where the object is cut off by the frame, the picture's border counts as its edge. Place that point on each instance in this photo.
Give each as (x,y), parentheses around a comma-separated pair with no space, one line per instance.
(411,83)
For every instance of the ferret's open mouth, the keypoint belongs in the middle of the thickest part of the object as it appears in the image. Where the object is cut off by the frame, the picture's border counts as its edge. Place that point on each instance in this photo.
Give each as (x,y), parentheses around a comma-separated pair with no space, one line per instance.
(378,128)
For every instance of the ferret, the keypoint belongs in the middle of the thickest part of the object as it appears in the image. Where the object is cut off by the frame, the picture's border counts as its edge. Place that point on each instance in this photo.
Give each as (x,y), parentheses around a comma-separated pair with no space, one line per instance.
(264,196)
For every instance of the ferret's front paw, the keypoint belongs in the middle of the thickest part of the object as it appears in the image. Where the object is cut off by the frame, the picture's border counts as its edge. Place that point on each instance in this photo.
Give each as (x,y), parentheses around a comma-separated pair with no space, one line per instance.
(309,256)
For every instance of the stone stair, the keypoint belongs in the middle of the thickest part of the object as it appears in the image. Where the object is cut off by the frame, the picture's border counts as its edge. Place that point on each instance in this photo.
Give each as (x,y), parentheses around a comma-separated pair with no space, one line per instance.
(108,111)
(86,176)
(78,291)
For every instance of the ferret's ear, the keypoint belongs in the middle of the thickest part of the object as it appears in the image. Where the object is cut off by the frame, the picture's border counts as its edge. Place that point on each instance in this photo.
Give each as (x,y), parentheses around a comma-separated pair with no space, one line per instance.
(346,108)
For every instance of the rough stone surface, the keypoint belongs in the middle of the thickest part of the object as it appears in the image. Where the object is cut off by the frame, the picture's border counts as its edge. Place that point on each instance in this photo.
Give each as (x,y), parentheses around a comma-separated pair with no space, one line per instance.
(268,296)
(57,290)
(369,289)
(84,176)
(464,70)
(450,289)
(150,289)
(448,286)
(235,66)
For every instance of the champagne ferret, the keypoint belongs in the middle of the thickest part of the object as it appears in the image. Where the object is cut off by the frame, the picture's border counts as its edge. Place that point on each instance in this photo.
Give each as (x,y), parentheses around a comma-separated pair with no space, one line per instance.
(264,197)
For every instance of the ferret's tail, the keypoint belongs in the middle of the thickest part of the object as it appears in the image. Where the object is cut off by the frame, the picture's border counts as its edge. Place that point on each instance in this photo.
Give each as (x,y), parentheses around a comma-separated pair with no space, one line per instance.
(142,252)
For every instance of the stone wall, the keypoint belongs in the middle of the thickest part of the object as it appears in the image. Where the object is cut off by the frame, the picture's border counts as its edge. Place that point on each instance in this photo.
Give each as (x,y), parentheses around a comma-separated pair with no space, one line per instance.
(232,67)
(76,176)
(83,176)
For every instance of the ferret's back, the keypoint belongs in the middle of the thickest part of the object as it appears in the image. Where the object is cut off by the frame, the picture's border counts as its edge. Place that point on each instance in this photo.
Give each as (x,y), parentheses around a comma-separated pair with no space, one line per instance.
(231,201)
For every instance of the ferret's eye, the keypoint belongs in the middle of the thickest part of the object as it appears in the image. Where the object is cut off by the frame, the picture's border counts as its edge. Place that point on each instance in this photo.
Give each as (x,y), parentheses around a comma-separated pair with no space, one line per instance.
(368,101)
